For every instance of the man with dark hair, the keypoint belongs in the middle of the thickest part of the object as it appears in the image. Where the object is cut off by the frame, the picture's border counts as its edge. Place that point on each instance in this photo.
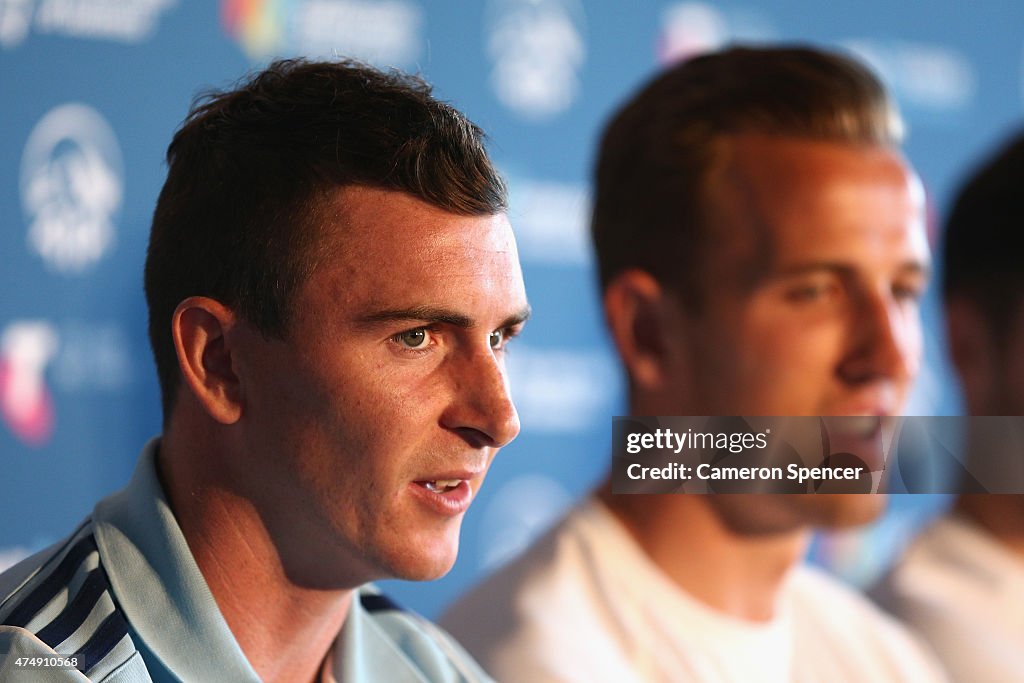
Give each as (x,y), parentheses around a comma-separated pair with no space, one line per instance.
(331,282)
(761,249)
(961,583)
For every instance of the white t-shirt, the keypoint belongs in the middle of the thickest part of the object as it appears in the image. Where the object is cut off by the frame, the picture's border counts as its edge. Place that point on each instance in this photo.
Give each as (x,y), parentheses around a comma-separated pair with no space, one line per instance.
(586,604)
(963,592)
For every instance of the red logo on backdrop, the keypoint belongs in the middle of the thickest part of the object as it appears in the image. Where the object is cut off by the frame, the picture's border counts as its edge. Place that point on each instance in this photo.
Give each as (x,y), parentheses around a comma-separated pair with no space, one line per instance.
(26,403)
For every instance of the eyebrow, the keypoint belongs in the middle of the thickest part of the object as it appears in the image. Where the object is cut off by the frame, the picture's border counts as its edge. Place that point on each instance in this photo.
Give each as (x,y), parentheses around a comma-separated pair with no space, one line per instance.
(433,314)
(844,269)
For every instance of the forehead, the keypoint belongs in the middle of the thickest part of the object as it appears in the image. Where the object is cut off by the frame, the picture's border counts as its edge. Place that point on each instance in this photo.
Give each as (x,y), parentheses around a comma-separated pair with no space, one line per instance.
(785,198)
(382,247)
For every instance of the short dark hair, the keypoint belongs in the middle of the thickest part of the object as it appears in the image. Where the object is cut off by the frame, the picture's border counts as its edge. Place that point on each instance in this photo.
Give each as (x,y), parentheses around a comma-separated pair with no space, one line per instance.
(251,168)
(658,150)
(984,238)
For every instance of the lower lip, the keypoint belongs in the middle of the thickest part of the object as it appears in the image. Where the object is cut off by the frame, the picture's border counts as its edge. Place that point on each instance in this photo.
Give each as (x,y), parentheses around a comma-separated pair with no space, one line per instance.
(450,503)
(868,447)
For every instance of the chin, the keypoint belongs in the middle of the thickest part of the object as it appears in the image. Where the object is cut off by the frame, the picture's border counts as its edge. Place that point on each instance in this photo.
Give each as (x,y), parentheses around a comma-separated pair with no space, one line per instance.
(845,510)
(769,514)
(422,569)
(423,559)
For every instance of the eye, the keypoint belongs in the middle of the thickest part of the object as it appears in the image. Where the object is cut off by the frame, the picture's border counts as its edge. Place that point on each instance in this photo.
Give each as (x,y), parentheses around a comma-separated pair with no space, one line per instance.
(910,293)
(812,292)
(418,338)
(499,339)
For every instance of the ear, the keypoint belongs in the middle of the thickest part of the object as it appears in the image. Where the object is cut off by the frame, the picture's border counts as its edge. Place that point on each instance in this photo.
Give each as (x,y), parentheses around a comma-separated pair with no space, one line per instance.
(973,352)
(201,328)
(645,323)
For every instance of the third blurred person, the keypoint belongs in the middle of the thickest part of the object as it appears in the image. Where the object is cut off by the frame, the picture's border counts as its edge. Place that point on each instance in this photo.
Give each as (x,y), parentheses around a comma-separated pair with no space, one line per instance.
(961,584)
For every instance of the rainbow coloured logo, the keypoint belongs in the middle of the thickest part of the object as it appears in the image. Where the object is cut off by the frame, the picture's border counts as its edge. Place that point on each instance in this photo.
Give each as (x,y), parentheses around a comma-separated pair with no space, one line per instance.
(257,25)
(388,33)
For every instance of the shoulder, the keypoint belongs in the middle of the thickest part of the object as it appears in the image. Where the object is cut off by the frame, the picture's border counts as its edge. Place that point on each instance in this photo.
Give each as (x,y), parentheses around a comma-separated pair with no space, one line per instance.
(936,578)
(58,603)
(950,563)
(547,614)
(847,627)
(37,578)
(818,596)
(814,593)
(19,652)
(547,577)
(427,647)
(954,589)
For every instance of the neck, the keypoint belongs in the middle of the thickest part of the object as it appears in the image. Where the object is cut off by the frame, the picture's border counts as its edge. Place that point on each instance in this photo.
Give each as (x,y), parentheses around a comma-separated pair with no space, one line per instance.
(1000,515)
(284,629)
(739,575)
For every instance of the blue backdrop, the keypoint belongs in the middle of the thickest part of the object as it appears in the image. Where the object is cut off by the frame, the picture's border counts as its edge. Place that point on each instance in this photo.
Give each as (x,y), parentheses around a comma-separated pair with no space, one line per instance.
(93,89)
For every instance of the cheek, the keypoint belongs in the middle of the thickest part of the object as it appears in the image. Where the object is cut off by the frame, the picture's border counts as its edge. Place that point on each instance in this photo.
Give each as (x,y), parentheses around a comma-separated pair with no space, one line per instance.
(786,367)
(366,398)
(390,417)
(792,351)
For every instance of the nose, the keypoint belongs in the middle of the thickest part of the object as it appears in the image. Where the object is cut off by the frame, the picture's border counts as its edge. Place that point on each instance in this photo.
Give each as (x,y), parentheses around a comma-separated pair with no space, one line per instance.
(884,341)
(481,410)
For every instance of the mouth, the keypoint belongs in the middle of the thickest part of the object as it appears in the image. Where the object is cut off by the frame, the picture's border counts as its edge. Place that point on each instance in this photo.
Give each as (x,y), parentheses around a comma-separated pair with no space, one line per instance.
(441,485)
(448,495)
(861,436)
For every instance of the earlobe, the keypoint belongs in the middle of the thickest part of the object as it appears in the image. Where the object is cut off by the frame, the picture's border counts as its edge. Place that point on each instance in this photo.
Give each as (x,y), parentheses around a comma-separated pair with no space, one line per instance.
(639,313)
(201,328)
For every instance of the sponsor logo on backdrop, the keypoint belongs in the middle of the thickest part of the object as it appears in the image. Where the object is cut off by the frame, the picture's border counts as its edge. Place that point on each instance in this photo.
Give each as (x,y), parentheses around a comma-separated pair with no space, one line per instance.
(691,28)
(26,402)
(551,221)
(123,21)
(15,20)
(40,357)
(72,185)
(388,33)
(925,76)
(536,49)
(562,391)
(94,357)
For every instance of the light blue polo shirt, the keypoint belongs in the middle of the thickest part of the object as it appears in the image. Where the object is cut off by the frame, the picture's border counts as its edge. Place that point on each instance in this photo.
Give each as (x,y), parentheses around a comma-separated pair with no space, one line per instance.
(122,601)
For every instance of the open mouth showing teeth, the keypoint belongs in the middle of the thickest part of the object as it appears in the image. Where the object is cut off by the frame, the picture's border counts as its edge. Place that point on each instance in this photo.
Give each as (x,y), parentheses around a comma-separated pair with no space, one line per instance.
(441,485)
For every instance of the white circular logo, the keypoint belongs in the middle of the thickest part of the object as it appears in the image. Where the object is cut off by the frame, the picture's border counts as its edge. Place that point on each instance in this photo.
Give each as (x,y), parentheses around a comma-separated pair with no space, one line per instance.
(537,49)
(689,29)
(71,187)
